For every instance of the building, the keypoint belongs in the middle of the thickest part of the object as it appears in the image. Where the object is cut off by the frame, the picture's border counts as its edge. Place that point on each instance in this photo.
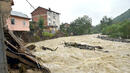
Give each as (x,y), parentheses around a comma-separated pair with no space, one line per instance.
(51,18)
(66,25)
(18,22)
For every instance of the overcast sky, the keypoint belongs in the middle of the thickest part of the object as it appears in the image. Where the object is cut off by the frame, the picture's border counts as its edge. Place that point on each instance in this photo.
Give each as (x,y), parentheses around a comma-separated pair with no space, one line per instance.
(71,9)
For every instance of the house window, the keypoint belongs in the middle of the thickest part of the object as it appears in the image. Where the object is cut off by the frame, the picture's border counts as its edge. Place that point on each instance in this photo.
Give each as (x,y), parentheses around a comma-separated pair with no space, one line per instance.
(49,19)
(54,22)
(12,21)
(24,23)
(54,17)
(49,13)
(49,24)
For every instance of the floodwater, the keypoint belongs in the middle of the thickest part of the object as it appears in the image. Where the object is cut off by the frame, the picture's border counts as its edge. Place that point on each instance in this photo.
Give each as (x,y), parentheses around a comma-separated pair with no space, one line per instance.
(75,60)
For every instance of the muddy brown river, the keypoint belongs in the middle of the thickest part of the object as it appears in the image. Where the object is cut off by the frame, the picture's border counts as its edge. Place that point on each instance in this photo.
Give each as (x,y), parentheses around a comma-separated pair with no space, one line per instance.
(75,60)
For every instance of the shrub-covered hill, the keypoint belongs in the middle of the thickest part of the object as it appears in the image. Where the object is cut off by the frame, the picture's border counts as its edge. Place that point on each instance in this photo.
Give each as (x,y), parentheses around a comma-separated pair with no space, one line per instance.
(122,17)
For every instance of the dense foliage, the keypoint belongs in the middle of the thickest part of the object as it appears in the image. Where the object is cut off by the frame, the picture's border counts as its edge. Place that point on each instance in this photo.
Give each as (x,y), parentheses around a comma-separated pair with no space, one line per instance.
(80,26)
(118,30)
(64,28)
(41,23)
(103,23)
(47,34)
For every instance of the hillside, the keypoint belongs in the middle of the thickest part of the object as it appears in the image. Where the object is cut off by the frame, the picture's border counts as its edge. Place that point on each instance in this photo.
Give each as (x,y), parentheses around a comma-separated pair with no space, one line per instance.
(122,17)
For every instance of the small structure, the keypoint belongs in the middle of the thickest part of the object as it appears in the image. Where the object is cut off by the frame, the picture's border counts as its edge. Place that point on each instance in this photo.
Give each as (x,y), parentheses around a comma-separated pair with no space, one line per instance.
(18,22)
(51,18)
(66,25)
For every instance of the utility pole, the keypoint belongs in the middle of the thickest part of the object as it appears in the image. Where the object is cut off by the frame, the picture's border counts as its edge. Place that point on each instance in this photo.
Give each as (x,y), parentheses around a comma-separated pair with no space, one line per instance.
(5,8)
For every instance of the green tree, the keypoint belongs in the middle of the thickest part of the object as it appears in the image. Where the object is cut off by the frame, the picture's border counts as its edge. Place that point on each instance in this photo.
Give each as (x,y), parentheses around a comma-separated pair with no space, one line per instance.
(125,29)
(81,25)
(118,30)
(112,31)
(105,22)
(40,27)
(64,27)
(96,29)
(41,23)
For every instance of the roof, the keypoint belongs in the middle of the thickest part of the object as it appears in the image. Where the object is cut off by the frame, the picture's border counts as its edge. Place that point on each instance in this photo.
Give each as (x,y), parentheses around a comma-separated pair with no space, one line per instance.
(46,9)
(52,11)
(19,14)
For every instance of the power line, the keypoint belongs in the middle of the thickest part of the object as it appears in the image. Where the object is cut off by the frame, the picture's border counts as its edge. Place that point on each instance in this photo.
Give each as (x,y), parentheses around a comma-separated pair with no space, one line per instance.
(30,4)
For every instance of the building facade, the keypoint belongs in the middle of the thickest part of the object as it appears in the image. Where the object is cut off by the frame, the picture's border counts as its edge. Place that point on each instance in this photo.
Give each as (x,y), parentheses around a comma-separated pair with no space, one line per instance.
(51,18)
(18,22)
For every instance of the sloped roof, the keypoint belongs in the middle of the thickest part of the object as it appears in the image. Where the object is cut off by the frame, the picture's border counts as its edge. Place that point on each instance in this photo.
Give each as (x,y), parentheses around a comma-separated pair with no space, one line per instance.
(19,14)
(45,9)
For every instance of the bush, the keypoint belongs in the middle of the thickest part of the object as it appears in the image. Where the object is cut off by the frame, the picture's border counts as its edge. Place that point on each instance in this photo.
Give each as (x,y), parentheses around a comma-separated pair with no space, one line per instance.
(125,29)
(113,29)
(47,34)
(36,38)
(118,30)
(115,35)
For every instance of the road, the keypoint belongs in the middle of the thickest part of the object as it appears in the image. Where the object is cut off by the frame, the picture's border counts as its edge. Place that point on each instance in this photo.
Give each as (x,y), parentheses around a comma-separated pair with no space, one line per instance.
(75,60)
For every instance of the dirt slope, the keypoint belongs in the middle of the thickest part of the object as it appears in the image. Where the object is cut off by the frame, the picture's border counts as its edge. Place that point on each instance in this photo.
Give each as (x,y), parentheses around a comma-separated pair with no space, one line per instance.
(75,60)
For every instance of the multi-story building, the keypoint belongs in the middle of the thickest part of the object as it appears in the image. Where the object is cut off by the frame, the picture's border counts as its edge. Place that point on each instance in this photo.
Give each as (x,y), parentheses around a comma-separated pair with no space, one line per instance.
(51,18)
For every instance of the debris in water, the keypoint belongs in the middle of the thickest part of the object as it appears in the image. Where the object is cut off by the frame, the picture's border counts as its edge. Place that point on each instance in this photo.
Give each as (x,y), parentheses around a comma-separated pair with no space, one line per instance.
(114,39)
(106,51)
(31,47)
(81,46)
(46,48)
